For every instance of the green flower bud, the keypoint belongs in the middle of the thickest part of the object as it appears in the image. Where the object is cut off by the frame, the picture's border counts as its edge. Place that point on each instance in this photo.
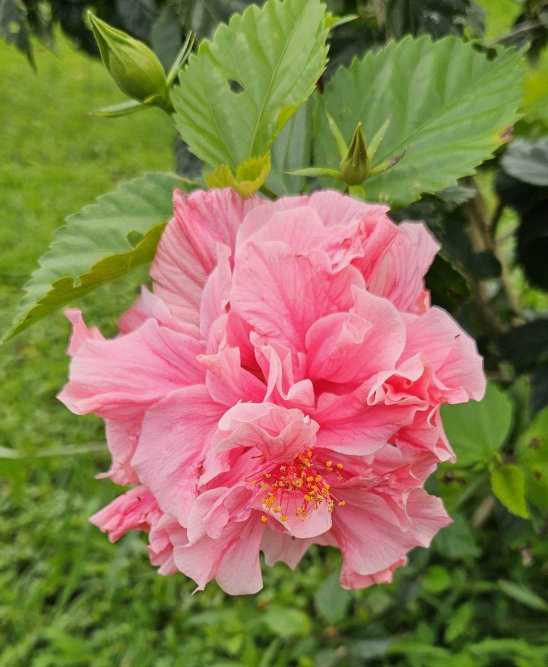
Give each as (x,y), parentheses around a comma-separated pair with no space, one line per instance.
(134,67)
(355,164)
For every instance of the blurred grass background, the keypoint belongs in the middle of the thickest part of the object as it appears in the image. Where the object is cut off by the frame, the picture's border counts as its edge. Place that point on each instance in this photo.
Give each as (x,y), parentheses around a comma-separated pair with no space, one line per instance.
(68,597)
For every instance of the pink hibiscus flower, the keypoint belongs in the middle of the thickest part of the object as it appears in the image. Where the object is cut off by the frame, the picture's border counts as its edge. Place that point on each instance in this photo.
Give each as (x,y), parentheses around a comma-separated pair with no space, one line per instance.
(279,387)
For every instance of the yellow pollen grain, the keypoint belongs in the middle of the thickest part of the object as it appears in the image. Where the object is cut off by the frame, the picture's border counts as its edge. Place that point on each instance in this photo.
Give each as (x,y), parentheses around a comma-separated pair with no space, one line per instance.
(341,503)
(284,517)
(329,464)
(340,466)
(264,518)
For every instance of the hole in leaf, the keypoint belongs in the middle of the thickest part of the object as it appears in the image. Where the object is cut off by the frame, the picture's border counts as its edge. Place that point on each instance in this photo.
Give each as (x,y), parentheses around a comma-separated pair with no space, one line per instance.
(235,86)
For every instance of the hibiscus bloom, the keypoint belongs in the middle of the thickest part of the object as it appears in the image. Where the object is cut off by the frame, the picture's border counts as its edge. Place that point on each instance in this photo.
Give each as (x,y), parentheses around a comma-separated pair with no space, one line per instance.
(280,386)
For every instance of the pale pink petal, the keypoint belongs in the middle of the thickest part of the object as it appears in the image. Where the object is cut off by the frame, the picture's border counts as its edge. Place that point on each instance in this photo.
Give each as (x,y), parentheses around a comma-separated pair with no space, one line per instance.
(80,332)
(150,306)
(175,434)
(186,254)
(227,381)
(351,347)
(351,579)
(281,294)
(134,510)
(450,352)
(281,547)
(239,572)
(399,276)
(164,535)
(215,295)
(119,378)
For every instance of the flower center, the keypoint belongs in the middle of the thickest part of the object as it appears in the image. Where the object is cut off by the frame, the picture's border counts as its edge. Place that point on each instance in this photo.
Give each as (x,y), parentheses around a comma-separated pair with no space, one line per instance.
(300,486)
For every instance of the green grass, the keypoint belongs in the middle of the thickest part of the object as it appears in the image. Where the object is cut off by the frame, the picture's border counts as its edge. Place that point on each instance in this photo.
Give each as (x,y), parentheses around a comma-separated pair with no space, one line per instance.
(67,596)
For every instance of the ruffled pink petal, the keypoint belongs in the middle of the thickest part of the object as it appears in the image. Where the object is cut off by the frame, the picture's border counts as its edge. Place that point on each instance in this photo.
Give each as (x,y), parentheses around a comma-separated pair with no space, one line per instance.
(186,254)
(281,294)
(175,434)
(349,426)
(227,381)
(165,534)
(80,332)
(371,533)
(216,293)
(119,378)
(399,276)
(150,306)
(450,352)
(351,347)
(232,559)
(279,434)
(135,510)
(351,579)
(281,547)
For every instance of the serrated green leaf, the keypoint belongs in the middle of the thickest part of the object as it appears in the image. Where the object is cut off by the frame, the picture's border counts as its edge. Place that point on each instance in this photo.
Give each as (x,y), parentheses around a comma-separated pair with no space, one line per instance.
(292,149)
(241,87)
(102,242)
(477,430)
(508,484)
(449,108)
(532,455)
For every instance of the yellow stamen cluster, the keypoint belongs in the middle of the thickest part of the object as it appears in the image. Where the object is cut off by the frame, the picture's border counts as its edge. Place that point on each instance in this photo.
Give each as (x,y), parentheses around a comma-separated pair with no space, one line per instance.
(304,476)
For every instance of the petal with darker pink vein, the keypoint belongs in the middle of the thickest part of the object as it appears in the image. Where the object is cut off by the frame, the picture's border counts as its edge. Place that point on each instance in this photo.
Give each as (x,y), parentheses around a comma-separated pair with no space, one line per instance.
(351,347)
(175,435)
(281,294)
(186,254)
(450,352)
(135,510)
(119,378)
(399,276)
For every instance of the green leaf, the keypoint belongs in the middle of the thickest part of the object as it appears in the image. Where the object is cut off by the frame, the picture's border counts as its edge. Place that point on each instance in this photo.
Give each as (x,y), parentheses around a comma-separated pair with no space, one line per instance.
(477,430)
(331,600)
(292,149)
(508,484)
(535,99)
(287,622)
(459,622)
(500,16)
(457,542)
(436,579)
(528,161)
(102,242)
(523,594)
(449,107)
(240,88)
(250,176)
(532,455)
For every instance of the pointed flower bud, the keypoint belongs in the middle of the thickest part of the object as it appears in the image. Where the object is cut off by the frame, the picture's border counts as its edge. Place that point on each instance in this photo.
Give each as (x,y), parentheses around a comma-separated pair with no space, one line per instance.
(355,165)
(134,67)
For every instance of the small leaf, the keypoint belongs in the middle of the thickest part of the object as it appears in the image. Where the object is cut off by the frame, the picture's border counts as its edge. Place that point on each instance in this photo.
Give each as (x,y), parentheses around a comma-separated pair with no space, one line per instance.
(436,579)
(499,16)
(523,594)
(535,99)
(477,430)
(240,88)
(459,622)
(287,622)
(449,106)
(94,246)
(122,109)
(457,542)
(250,176)
(527,161)
(508,484)
(331,600)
